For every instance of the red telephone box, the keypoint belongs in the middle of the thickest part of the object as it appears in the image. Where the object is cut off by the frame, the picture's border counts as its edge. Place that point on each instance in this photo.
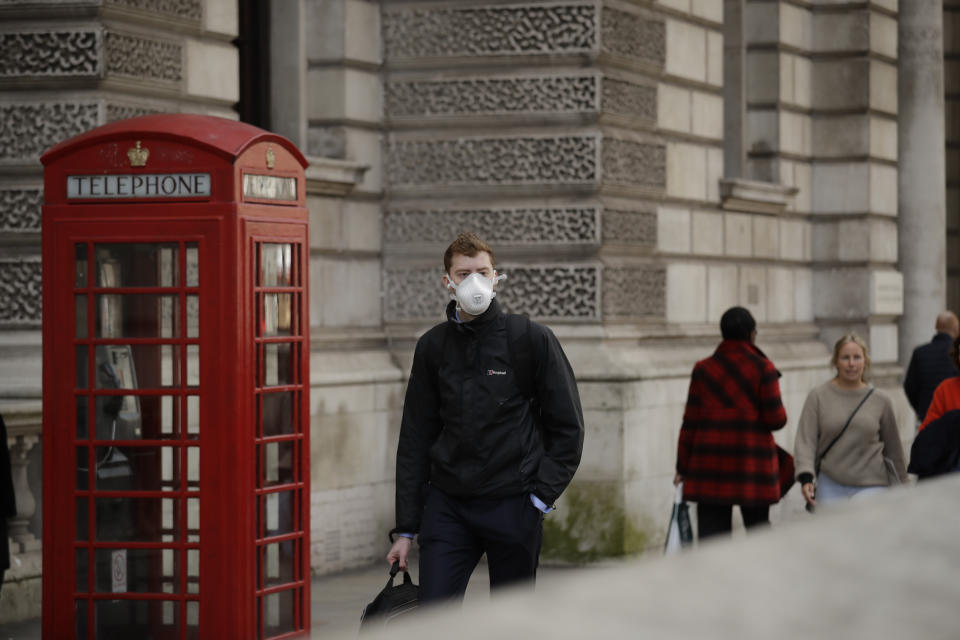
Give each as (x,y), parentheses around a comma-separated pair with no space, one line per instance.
(176,459)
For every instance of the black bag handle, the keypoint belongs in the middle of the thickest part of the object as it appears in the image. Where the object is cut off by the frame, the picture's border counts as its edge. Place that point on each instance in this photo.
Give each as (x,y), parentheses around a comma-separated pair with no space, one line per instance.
(394,570)
(816,466)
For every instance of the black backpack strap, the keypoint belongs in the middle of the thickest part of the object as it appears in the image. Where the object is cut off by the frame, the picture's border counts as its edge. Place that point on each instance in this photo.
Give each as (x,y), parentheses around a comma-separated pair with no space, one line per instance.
(520,348)
(816,463)
(436,360)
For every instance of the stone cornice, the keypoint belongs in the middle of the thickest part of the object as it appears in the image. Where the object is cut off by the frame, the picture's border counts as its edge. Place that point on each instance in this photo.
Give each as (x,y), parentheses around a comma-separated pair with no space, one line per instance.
(331,177)
(751,196)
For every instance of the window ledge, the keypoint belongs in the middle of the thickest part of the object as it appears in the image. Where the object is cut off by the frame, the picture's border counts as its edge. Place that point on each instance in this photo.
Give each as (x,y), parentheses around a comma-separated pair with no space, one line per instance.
(752,196)
(331,177)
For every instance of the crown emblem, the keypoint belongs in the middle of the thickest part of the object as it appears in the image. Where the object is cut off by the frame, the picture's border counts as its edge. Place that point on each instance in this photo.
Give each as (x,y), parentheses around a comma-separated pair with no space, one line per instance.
(271,158)
(138,157)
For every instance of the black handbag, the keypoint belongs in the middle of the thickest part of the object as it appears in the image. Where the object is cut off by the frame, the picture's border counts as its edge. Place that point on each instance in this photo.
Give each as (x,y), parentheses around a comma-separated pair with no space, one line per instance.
(787,470)
(392,602)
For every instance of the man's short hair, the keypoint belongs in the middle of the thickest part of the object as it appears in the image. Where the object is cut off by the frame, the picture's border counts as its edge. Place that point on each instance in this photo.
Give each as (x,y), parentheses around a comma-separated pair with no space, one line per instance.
(737,324)
(466,244)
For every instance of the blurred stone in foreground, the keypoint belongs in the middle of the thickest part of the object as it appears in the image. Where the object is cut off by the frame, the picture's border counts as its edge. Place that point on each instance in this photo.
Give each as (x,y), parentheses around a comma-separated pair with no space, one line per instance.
(883,567)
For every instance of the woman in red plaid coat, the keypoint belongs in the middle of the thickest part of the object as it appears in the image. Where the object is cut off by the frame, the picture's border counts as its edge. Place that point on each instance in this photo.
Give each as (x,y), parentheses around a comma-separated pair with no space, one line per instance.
(726,455)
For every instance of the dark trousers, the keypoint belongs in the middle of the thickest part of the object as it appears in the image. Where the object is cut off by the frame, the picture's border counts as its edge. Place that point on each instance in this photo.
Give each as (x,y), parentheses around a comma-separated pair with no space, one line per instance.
(716,519)
(456,532)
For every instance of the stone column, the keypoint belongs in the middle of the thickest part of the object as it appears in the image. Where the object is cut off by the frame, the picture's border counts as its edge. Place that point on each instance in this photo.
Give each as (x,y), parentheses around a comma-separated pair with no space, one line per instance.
(857,286)
(288,71)
(351,490)
(922,178)
(734,89)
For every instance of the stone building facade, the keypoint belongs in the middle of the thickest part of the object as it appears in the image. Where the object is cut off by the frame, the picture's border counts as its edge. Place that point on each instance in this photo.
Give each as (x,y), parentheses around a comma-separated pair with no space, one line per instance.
(638,165)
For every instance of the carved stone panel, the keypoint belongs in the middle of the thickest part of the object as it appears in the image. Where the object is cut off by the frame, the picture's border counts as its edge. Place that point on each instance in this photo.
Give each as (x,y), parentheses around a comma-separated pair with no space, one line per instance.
(493,95)
(542,291)
(552,291)
(633,36)
(625,98)
(535,225)
(20,299)
(630,227)
(634,163)
(187,9)
(493,161)
(51,54)
(490,30)
(143,57)
(118,111)
(635,291)
(414,294)
(27,130)
(20,210)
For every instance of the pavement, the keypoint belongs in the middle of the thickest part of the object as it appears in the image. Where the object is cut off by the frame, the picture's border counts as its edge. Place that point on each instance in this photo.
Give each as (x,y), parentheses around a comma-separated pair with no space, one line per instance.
(338,599)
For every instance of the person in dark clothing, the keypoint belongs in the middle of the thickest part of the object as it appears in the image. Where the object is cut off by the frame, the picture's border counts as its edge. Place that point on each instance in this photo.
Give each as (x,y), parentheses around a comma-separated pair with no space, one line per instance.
(483,453)
(8,502)
(726,454)
(930,364)
(936,449)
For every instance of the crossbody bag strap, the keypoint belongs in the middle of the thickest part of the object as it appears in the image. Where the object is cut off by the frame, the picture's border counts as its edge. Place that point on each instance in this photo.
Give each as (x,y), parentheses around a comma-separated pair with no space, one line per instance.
(816,468)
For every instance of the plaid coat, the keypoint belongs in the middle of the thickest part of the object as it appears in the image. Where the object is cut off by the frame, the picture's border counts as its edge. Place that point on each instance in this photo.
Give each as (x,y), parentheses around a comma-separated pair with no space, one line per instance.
(726,453)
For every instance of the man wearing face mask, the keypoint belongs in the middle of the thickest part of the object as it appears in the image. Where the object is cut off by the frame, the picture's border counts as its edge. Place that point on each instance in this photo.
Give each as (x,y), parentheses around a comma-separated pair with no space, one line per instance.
(491,435)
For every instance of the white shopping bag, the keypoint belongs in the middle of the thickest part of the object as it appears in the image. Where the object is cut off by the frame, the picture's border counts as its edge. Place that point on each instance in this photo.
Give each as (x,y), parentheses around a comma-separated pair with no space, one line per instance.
(680,532)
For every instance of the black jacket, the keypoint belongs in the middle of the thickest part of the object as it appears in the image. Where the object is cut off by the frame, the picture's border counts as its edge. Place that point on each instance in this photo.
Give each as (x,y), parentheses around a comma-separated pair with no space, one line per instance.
(467,428)
(929,366)
(936,449)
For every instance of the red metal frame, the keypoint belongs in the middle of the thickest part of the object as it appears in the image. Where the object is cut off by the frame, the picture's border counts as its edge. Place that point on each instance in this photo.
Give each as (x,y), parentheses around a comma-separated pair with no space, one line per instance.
(228,233)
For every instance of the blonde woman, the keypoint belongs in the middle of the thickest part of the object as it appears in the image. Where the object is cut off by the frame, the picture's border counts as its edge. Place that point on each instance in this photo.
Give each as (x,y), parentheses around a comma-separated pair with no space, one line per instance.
(847,438)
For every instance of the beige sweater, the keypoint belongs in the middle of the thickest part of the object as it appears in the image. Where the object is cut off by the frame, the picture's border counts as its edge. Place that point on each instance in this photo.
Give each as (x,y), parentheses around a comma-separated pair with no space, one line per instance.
(857,457)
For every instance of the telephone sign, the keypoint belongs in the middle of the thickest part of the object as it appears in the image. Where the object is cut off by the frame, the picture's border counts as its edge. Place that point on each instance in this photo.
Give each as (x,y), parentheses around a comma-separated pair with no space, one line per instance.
(131,185)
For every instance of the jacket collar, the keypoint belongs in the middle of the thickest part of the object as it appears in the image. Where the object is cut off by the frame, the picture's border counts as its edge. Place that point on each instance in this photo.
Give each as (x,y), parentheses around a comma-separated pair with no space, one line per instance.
(728,346)
(942,337)
(492,313)
(737,345)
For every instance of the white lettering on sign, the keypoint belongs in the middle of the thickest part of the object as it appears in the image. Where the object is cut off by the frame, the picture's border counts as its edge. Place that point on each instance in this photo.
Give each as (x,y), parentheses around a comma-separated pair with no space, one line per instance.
(118,571)
(269,187)
(139,185)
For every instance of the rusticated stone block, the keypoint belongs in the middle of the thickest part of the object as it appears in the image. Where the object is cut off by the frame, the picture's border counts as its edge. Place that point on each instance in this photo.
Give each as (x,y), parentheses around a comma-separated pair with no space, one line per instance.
(542,291)
(635,291)
(493,95)
(118,111)
(499,30)
(630,227)
(497,225)
(20,286)
(502,95)
(512,30)
(634,163)
(51,54)
(140,57)
(186,9)
(493,161)
(27,130)
(626,98)
(20,210)
(633,36)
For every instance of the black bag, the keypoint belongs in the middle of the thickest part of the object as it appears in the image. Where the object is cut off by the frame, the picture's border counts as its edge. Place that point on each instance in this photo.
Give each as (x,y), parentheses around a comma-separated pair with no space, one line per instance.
(394,601)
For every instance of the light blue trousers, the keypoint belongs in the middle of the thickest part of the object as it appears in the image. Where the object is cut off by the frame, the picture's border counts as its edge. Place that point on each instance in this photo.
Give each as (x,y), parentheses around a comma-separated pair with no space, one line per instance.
(829,490)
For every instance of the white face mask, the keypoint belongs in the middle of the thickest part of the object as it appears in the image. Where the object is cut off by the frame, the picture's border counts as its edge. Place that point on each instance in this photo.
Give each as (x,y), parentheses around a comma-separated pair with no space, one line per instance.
(474,293)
